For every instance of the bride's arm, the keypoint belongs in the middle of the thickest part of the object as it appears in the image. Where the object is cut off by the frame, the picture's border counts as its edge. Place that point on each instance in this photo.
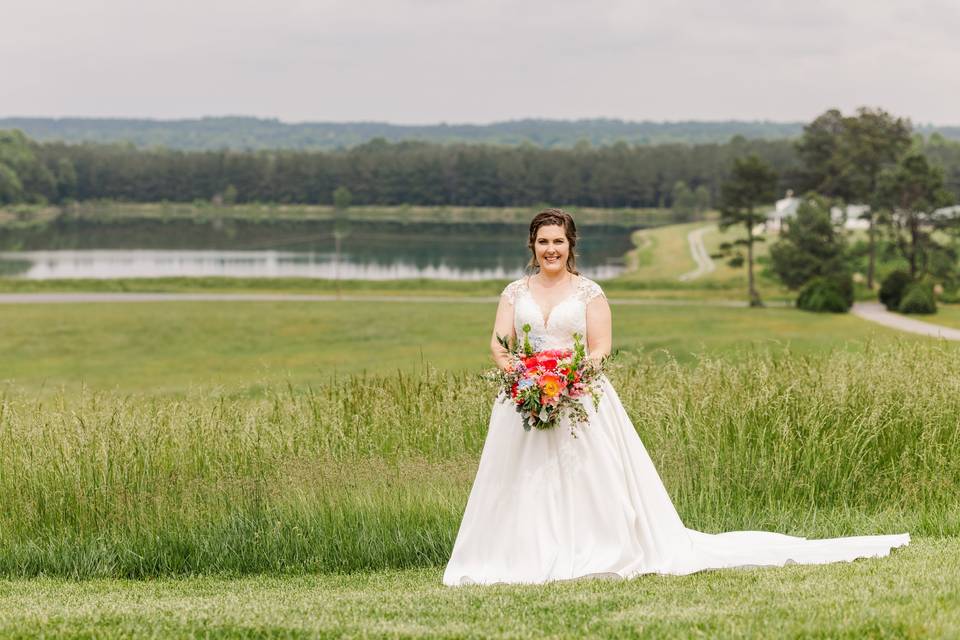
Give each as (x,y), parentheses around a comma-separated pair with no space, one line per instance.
(502,326)
(599,328)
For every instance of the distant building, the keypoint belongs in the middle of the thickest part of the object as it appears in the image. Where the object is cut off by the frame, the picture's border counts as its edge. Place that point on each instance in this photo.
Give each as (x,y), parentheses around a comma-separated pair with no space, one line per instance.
(851,216)
(783,209)
(947,213)
(786,208)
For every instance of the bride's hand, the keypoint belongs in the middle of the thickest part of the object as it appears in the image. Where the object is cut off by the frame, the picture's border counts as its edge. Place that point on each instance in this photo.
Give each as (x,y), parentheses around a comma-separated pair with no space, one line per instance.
(597,359)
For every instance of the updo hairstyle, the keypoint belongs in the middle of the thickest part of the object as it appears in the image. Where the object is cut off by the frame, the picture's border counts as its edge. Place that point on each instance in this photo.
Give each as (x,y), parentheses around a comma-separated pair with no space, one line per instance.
(553,217)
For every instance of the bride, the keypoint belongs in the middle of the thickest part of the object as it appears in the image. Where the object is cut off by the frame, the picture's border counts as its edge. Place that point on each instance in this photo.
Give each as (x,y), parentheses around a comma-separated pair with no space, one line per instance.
(546,506)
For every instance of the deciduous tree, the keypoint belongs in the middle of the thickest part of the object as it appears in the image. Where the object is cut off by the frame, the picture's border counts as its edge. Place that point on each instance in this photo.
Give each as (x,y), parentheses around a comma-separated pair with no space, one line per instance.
(913,190)
(844,155)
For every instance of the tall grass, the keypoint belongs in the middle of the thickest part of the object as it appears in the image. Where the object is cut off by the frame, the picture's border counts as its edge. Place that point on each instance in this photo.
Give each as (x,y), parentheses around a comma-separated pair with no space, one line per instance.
(373,471)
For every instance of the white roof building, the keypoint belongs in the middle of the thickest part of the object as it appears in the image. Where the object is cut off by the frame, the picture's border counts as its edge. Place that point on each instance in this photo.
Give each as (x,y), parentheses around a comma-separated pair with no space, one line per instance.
(849,216)
(946,213)
(783,209)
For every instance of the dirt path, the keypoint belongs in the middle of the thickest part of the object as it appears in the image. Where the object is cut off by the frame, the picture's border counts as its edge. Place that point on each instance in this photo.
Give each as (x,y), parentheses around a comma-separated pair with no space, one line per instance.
(876,312)
(704,262)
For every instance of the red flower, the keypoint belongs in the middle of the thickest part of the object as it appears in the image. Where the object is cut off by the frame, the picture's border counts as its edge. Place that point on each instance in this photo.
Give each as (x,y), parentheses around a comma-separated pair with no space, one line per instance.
(569,373)
(544,359)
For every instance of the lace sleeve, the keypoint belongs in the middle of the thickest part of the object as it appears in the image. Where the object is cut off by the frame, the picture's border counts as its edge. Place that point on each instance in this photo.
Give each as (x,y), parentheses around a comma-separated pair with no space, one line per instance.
(510,291)
(591,290)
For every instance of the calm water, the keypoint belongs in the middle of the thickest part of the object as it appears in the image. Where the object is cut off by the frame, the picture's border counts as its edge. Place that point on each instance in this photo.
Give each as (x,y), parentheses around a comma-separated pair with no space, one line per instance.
(367,251)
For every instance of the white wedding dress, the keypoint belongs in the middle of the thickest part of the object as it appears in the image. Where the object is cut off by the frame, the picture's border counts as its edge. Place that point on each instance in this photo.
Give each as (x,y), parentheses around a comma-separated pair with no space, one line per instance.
(547,506)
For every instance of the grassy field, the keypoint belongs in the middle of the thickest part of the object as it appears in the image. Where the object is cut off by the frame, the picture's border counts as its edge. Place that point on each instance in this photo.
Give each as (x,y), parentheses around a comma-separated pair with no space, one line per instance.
(169,347)
(621,287)
(912,594)
(340,503)
(372,472)
(662,253)
(290,469)
(726,273)
(662,256)
(947,314)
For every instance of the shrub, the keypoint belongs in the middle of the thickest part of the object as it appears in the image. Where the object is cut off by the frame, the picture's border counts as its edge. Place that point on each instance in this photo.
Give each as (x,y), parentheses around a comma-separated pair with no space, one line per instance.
(918,298)
(824,294)
(951,296)
(844,283)
(892,289)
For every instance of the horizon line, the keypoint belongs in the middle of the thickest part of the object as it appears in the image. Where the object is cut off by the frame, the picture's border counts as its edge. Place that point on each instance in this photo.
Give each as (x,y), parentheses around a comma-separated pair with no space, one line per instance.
(440,123)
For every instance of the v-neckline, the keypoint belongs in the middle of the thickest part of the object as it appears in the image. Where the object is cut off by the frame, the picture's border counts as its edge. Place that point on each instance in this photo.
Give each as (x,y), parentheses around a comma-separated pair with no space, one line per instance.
(545,320)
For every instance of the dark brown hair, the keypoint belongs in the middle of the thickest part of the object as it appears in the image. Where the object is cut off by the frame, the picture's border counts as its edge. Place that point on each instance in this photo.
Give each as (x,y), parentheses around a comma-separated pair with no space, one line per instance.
(558,217)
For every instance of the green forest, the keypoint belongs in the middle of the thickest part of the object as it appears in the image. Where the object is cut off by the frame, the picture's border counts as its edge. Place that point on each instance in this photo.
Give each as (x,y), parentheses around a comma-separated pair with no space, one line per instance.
(380,172)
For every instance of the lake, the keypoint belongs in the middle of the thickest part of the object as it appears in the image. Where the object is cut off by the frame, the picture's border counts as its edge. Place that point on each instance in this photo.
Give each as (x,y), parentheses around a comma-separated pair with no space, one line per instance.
(149,248)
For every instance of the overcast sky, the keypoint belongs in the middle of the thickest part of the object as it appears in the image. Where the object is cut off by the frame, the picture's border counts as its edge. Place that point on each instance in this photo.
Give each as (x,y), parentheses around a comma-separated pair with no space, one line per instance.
(479,61)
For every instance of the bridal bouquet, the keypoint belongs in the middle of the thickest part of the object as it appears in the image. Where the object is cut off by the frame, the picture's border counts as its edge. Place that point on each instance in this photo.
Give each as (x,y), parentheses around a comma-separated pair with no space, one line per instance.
(544,385)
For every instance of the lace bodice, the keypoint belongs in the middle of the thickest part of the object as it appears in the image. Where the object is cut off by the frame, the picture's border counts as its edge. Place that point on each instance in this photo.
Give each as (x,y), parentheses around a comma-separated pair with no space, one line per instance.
(569,316)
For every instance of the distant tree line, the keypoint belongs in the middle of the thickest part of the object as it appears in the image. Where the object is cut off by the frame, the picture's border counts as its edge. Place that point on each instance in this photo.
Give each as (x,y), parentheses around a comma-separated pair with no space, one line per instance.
(383,173)
(247,134)
(686,178)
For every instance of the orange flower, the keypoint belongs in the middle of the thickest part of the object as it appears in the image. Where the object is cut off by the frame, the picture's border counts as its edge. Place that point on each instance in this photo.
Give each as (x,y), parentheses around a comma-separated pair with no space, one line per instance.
(551,384)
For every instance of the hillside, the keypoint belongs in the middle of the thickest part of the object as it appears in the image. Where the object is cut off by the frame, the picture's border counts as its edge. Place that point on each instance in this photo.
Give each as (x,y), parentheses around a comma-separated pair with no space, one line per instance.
(256,133)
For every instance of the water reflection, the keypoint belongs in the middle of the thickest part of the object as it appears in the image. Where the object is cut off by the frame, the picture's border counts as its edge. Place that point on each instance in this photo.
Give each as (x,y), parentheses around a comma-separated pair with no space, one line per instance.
(118,263)
(314,249)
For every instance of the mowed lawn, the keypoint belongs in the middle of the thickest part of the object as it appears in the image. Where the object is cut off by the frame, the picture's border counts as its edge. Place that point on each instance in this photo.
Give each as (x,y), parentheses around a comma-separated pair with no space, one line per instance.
(947,314)
(170,346)
(914,593)
(662,255)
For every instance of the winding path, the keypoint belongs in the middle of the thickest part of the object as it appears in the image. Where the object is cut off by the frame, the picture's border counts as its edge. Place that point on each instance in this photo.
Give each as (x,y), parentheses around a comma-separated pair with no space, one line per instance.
(704,262)
(876,312)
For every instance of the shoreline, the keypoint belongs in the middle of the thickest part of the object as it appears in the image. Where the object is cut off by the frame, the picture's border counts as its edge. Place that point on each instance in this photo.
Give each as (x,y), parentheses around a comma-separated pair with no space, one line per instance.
(25,216)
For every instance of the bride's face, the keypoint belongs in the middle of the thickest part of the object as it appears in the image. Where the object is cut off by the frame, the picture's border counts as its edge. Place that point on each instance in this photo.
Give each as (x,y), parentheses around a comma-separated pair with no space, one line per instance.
(551,249)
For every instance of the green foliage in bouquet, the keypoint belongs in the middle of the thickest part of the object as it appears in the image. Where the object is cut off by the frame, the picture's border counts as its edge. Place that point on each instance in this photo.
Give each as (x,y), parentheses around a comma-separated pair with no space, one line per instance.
(579,353)
(508,343)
